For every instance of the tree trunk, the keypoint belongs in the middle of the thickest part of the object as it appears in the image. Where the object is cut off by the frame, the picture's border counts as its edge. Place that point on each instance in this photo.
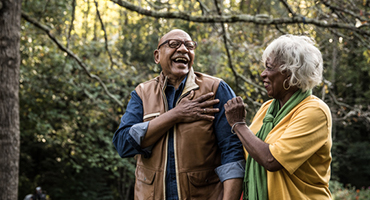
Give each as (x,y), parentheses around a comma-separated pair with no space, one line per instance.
(10,17)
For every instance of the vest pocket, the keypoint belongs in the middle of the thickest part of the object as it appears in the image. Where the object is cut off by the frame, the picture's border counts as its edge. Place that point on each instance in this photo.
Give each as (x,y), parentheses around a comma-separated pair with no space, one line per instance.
(144,187)
(204,184)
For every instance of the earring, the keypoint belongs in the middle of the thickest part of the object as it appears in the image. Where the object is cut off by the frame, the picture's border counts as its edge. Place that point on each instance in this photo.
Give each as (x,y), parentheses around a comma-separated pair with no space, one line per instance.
(284,85)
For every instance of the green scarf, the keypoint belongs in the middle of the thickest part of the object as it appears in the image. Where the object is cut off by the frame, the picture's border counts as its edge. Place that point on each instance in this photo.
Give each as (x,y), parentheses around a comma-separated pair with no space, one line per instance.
(255,179)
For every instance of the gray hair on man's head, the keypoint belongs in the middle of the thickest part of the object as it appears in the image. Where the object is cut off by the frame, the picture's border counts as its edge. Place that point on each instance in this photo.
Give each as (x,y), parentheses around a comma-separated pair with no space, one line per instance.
(297,56)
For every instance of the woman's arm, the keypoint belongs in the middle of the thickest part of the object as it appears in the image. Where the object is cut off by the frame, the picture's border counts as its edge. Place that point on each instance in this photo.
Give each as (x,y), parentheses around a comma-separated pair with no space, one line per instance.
(256,148)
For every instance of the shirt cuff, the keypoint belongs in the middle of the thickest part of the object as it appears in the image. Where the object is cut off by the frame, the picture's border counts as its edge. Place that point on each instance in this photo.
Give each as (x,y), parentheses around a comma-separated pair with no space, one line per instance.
(231,170)
(138,131)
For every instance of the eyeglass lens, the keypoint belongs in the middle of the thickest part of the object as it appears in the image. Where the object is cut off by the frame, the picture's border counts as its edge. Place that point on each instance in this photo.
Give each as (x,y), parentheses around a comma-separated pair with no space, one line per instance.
(177,43)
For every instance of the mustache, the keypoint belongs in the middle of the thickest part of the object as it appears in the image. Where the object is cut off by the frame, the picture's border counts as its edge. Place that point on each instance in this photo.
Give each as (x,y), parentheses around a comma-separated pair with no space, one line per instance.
(185,55)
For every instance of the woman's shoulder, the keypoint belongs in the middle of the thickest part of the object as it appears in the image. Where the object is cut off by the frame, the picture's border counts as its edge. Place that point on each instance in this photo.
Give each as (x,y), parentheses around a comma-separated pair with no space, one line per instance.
(313,100)
(266,104)
(313,104)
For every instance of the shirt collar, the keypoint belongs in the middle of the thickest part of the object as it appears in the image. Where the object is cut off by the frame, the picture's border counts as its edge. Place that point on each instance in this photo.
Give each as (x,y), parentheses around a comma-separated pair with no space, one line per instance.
(182,84)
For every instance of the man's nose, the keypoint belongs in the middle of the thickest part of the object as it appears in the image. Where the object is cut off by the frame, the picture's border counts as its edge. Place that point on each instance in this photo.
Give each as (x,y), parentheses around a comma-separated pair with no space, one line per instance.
(182,48)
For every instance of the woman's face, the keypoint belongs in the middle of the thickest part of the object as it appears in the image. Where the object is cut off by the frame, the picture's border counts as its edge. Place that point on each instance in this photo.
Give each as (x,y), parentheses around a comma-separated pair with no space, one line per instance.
(273,80)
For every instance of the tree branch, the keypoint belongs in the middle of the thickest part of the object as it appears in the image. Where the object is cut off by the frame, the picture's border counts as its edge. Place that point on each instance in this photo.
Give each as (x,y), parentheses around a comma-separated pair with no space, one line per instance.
(70,53)
(105,36)
(225,44)
(72,21)
(342,9)
(231,65)
(287,6)
(353,110)
(290,10)
(203,7)
(240,18)
(158,7)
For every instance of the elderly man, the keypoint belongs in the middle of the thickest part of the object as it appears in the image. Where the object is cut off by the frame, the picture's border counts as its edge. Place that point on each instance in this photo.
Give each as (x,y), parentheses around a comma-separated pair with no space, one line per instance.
(175,124)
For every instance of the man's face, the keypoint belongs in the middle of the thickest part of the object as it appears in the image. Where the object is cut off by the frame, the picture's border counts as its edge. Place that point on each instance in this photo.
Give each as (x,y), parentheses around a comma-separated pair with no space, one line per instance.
(175,62)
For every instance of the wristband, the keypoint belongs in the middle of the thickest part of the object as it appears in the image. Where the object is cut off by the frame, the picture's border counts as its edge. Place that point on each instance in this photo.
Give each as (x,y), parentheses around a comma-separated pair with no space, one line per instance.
(232,128)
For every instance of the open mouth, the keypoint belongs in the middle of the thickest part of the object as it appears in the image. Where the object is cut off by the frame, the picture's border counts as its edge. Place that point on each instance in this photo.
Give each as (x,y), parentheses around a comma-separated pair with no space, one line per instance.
(181,60)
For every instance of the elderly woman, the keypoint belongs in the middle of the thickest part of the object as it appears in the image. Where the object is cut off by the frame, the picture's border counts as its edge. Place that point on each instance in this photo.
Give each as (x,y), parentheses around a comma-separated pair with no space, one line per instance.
(288,143)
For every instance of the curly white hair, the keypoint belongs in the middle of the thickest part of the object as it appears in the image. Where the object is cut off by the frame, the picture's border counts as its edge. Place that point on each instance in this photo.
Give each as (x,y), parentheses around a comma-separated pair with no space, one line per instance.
(298,56)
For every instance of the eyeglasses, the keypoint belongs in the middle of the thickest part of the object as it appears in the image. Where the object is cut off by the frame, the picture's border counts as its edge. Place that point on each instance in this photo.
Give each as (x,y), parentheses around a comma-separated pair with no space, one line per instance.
(174,44)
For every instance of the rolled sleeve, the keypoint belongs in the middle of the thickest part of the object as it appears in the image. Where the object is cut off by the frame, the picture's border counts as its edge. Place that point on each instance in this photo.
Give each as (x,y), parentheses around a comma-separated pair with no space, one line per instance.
(231,170)
(127,139)
(138,131)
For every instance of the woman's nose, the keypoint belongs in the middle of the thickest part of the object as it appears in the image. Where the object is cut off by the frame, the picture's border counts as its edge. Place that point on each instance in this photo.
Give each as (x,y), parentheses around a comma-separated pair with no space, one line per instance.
(263,74)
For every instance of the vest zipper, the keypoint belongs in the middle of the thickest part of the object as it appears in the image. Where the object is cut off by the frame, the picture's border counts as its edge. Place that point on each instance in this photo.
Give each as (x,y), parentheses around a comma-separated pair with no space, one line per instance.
(175,148)
(174,138)
(167,135)
(182,96)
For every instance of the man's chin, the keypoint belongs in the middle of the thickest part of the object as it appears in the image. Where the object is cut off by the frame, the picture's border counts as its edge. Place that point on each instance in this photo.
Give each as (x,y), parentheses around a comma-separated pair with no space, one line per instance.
(180,71)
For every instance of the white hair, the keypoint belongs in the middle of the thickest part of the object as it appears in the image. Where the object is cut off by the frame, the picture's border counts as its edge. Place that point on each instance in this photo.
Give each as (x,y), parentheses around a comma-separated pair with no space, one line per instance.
(298,56)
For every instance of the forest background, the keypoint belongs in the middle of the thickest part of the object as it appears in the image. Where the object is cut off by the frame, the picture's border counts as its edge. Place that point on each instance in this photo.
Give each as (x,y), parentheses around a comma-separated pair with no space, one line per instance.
(80,59)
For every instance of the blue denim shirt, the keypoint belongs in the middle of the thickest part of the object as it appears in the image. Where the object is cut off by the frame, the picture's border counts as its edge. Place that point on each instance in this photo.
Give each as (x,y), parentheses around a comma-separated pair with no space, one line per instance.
(128,137)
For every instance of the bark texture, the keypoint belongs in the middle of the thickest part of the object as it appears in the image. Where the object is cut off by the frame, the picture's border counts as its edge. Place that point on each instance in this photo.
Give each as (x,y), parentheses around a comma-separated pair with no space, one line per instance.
(10,16)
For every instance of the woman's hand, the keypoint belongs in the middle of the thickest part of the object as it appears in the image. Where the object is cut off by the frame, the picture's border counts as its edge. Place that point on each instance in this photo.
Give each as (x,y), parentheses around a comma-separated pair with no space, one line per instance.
(235,110)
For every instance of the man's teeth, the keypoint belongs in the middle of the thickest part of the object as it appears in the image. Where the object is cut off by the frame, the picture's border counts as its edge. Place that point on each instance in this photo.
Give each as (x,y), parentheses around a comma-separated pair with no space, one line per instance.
(265,84)
(180,59)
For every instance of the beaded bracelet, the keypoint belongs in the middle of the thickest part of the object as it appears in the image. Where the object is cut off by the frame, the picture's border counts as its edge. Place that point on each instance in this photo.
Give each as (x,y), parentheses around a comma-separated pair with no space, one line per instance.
(232,128)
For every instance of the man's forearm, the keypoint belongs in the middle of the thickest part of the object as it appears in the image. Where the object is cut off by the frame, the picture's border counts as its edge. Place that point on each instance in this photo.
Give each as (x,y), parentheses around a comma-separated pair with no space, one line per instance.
(158,127)
(232,189)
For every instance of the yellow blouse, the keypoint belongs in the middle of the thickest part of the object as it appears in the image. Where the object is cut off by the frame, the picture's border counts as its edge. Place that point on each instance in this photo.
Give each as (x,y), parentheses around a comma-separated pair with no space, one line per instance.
(301,142)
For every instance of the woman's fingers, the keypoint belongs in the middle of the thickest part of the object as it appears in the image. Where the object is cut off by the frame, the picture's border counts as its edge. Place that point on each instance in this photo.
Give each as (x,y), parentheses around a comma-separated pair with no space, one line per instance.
(235,110)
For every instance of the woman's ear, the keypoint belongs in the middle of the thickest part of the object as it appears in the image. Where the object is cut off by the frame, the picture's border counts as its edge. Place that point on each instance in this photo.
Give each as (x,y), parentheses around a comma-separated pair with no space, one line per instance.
(156,56)
(286,73)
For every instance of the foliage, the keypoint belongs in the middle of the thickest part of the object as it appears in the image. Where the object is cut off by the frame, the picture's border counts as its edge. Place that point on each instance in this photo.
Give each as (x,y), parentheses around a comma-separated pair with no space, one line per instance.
(349,130)
(68,120)
(348,192)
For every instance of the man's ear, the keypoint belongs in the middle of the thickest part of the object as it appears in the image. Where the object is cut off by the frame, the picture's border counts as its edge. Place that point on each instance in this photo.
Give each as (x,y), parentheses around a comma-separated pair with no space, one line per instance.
(156,56)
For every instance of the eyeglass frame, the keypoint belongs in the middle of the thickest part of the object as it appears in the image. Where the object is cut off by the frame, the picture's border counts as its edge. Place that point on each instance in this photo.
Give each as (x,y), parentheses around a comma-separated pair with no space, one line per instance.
(182,42)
